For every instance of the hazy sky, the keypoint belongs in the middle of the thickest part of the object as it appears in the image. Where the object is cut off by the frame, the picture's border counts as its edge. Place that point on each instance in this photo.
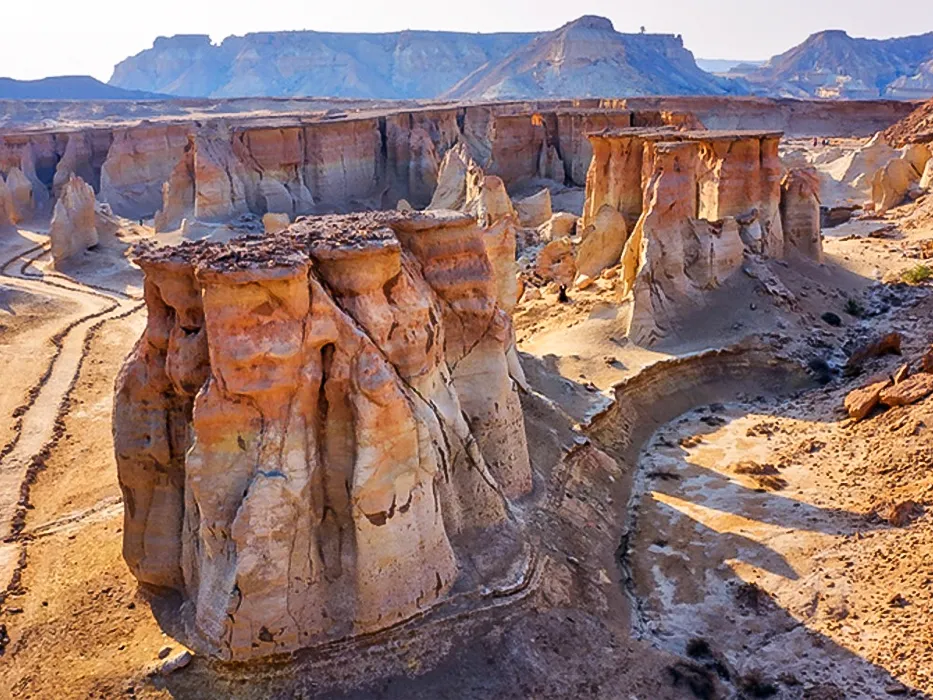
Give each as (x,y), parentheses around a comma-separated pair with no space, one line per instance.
(65,37)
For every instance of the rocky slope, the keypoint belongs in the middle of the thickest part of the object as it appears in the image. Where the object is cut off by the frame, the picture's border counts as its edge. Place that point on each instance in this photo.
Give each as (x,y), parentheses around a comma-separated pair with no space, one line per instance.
(916,127)
(833,64)
(68,87)
(585,57)
(588,57)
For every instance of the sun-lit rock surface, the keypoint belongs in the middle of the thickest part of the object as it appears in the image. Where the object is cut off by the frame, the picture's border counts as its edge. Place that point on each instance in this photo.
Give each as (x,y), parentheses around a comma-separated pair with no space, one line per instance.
(319,427)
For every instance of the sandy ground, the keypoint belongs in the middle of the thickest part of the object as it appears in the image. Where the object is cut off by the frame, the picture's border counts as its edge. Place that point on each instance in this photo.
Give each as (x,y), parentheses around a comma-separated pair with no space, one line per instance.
(759,560)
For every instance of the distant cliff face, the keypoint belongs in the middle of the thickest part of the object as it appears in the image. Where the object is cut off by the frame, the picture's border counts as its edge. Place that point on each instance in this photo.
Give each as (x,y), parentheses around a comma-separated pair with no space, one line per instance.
(279,64)
(584,58)
(833,64)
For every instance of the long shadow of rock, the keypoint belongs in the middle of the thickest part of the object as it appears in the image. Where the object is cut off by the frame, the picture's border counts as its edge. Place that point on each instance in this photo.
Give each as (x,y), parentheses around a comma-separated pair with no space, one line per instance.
(696,530)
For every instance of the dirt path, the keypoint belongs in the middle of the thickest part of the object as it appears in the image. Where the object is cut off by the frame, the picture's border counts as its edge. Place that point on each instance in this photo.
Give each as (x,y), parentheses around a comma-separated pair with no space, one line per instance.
(38,418)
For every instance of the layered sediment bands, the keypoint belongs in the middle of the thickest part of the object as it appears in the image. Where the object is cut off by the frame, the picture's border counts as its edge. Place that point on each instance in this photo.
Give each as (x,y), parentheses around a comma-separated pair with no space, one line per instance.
(666,389)
(318,434)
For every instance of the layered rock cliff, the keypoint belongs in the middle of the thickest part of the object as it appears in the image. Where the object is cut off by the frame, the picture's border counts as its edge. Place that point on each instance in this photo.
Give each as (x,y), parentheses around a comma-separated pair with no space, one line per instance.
(318,434)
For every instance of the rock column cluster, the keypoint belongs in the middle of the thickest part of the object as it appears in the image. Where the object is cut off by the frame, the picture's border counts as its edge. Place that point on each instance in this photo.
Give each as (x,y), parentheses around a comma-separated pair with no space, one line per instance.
(318,434)
(684,208)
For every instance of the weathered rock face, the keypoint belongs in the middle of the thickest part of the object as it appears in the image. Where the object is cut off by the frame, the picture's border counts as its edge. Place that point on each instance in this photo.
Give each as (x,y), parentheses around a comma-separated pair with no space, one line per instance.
(669,246)
(800,213)
(494,202)
(602,242)
(74,221)
(6,204)
(140,159)
(318,434)
(459,181)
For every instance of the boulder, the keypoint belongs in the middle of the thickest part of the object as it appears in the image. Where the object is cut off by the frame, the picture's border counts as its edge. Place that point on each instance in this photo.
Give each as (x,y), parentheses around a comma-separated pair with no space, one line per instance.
(884,344)
(909,391)
(891,183)
(601,242)
(494,203)
(74,220)
(556,262)
(535,210)
(560,224)
(860,402)
(274,223)
(926,362)
(918,155)
(926,180)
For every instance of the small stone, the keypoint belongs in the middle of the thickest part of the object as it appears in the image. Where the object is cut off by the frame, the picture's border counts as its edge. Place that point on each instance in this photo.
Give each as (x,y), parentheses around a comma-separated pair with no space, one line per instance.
(531,294)
(583,281)
(176,663)
(164,651)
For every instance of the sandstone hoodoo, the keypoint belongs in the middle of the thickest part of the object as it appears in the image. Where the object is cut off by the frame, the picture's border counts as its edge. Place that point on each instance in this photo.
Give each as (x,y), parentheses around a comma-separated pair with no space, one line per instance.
(800,213)
(696,203)
(319,435)
(74,220)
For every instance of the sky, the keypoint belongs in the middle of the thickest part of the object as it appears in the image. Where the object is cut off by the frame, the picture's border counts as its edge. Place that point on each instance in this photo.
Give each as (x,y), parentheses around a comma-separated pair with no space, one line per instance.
(64,37)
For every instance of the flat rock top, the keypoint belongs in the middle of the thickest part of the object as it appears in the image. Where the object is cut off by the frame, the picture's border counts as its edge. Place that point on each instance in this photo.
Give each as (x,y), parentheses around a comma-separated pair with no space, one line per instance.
(672,134)
(310,236)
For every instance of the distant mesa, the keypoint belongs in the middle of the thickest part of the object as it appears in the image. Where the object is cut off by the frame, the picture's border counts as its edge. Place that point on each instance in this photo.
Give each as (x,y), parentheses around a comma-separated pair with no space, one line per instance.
(586,57)
(832,64)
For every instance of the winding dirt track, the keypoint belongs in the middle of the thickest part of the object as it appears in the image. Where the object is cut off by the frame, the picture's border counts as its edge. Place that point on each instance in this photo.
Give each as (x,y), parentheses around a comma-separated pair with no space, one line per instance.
(38,420)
